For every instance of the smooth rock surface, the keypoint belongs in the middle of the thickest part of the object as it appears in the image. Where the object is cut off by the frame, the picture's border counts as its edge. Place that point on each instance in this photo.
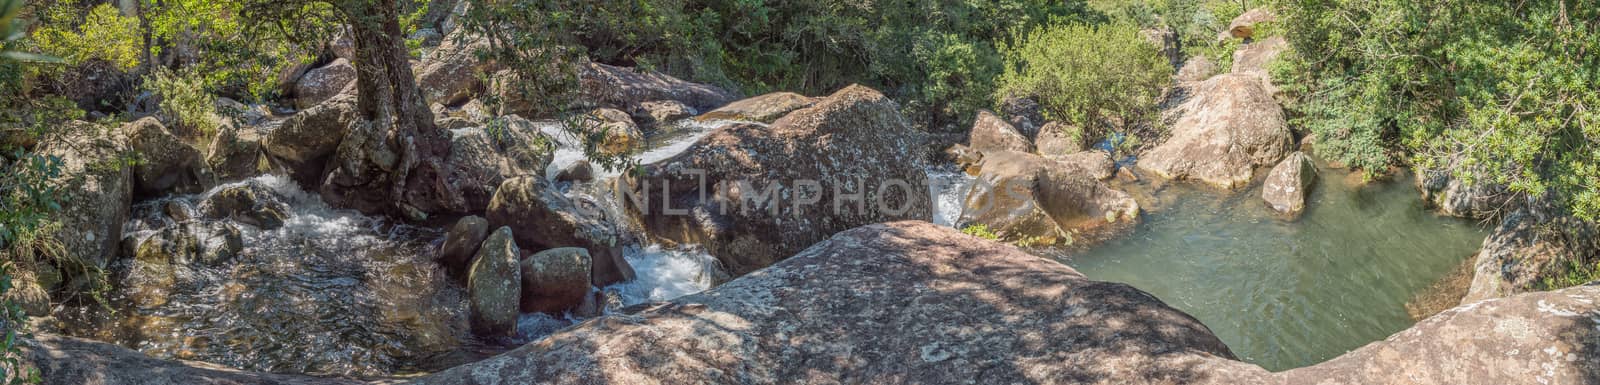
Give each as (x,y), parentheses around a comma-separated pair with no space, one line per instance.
(166,163)
(1028,198)
(1289,183)
(1227,128)
(990,133)
(95,207)
(555,280)
(734,191)
(494,285)
(320,84)
(765,108)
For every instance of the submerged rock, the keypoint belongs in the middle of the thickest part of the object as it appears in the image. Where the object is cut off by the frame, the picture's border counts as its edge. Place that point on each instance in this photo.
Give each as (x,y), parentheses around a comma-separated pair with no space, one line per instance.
(736,190)
(1027,198)
(166,163)
(246,203)
(543,218)
(1289,183)
(990,133)
(555,280)
(494,285)
(765,108)
(1228,127)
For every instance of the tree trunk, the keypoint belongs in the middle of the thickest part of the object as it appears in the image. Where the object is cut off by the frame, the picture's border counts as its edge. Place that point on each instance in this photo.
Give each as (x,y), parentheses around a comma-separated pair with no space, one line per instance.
(391,160)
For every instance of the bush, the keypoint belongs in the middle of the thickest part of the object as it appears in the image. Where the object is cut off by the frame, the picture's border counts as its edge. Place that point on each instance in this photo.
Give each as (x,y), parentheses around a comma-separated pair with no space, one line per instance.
(184,100)
(102,34)
(1085,74)
(1500,93)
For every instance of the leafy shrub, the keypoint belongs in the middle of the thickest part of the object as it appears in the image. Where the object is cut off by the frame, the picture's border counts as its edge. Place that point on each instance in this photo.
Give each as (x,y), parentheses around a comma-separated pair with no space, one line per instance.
(1084,74)
(1498,92)
(981,231)
(184,99)
(102,34)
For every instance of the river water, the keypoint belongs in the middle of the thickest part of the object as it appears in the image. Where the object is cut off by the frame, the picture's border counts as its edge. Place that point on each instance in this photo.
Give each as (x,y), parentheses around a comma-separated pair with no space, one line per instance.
(1285,293)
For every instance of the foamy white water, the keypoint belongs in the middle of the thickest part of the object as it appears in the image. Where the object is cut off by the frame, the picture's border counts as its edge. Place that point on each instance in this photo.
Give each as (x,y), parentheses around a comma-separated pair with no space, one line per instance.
(949,189)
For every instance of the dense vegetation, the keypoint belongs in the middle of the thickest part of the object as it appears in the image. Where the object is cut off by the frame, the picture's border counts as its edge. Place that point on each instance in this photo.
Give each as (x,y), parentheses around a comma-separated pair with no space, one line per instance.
(1498,92)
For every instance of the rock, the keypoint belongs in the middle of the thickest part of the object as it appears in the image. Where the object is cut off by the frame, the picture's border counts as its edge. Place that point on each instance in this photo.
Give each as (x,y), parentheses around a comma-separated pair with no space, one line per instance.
(1526,249)
(1244,26)
(246,203)
(897,303)
(429,37)
(1057,139)
(1169,43)
(1227,128)
(735,191)
(480,161)
(965,157)
(1028,198)
(461,243)
(617,87)
(343,46)
(450,75)
(652,114)
(319,85)
(1253,58)
(28,293)
(1545,338)
(290,75)
(765,108)
(1289,183)
(555,280)
(166,163)
(579,171)
(543,218)
(494,286)
(235,153)
(990,133)
(1025,114)
(1444,192)
(619,135)
(303,144)
(73,361)
(1196,69)
(95,206)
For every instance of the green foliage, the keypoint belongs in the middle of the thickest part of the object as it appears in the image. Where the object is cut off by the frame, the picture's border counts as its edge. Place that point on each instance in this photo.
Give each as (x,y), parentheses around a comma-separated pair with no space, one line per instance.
(981,231)
(102,34)
(938,58)
(1570,272)
(1086,74)
(185,99)
(1498,92)
(238,47)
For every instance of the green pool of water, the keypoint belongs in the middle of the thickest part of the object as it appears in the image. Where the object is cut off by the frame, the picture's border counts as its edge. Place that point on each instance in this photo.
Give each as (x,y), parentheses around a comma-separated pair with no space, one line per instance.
(1285,294)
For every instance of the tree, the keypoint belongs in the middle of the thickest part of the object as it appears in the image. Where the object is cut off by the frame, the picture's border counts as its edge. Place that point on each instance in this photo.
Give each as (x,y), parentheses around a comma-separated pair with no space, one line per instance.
(396,164)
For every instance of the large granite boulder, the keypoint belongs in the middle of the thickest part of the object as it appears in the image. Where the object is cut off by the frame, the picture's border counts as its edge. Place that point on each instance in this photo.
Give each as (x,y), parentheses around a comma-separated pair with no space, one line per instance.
(1253,58)
(1289,183)
(765,108)
(898,303)
(235,152)
(1229,126)
(1059,139)
(450,75)
(738,191)
(494,285)
(1526,249)
(626,88)
(555,280)
(544,218)
(1028,198)
(94,206)
(320,84)
(1244,26)
(1458,197)
(652,115)
(166,163)
(1195,69)
(481,158)
(990,133)
(73,361)
(303,144)
(461,242)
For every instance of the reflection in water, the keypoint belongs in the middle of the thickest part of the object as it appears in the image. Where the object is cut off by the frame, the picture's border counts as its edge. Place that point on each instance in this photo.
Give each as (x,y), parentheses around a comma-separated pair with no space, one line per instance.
(1285,294)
